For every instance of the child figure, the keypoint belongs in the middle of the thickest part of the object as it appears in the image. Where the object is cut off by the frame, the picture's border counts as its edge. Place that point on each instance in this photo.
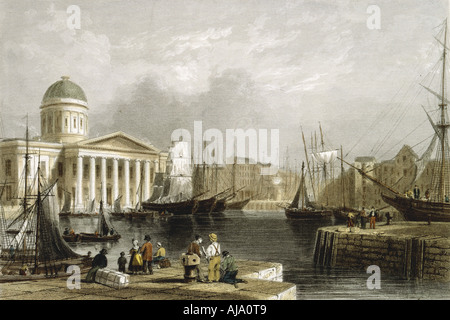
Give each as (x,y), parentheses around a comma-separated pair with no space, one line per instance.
(122,261)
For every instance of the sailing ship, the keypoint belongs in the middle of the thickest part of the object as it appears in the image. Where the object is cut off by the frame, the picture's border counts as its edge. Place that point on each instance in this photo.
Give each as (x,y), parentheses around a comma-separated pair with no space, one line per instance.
(436,206)
(174,194)
(301,207)
(33,236)
(206,203)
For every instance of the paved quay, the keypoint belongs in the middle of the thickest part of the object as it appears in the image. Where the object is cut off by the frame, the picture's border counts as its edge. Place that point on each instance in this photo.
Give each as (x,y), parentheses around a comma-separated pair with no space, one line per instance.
(410,250)
(164,284)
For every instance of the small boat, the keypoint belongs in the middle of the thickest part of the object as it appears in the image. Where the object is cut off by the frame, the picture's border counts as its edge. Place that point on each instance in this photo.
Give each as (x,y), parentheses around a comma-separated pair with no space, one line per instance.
(105,230)
(71,237)
(92,237)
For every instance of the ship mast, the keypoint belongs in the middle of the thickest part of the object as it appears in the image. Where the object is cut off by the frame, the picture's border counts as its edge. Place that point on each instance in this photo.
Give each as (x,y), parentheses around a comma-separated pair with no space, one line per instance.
(27,156)
(443,125)
(342,179)
(25,200)
(309,169)
(38,218)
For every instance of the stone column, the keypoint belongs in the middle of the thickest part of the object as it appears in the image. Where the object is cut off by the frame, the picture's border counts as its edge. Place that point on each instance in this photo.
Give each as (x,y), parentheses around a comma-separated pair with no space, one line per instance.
(156,165)
(115,179)
(103,177)
(146,180)
(137,171)
(79,188)
(92,178)
(126,169)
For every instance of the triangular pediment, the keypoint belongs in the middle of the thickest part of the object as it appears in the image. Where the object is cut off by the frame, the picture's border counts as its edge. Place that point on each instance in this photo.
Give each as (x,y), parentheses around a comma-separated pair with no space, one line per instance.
(119,141)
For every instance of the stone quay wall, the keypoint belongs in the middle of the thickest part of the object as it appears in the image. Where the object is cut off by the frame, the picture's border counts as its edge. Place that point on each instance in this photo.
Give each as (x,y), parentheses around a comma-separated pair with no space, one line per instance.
(406,256)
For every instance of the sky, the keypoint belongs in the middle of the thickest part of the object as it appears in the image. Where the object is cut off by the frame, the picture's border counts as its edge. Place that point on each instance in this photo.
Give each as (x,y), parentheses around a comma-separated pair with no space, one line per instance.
(352,68)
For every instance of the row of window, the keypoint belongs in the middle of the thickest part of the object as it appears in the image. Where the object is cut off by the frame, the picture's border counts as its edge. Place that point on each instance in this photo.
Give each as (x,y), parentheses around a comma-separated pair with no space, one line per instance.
(47,124)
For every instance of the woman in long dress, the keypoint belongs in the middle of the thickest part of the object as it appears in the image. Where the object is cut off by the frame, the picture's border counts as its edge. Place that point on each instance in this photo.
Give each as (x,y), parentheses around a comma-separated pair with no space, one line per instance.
(135,265)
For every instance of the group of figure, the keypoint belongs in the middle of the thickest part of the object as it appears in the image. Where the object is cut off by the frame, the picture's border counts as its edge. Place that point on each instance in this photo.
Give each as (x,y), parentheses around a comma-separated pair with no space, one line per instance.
(362,217)
(221,265)
(415,194)
(142,258)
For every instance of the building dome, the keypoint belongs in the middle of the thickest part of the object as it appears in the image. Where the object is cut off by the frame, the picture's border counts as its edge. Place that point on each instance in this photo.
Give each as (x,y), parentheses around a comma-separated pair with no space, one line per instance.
(64,90)
(64,113)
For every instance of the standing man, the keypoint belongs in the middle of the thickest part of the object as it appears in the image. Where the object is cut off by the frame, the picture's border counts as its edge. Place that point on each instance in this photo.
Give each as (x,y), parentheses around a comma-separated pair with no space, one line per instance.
(147,255)
(213,255)
(372,218)
(194,248)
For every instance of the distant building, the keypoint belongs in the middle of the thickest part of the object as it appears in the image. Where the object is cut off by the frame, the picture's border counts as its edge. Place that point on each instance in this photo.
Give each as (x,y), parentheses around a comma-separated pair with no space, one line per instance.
(245,178)
(90,169)
(398,173)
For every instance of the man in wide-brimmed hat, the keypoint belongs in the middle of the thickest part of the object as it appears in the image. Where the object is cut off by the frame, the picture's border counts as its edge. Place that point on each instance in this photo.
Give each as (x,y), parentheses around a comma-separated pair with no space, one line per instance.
(147,255)
(213,255)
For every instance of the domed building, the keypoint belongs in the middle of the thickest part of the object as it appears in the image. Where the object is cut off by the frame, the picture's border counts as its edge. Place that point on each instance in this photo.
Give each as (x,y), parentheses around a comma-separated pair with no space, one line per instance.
(64,113)
(113,168)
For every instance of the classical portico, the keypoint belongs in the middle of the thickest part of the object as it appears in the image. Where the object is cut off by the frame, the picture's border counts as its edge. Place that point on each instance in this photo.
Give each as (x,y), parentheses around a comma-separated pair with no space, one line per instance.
(127,173)
(116,165)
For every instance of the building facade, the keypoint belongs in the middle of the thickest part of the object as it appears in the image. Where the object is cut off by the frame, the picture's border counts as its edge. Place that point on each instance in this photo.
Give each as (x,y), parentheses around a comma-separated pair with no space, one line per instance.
(105,168)
(399,173)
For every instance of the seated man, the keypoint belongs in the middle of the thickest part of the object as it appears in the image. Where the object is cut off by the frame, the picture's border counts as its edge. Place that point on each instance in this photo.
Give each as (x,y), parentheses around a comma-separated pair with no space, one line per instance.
(159,255)
(100,261)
